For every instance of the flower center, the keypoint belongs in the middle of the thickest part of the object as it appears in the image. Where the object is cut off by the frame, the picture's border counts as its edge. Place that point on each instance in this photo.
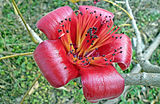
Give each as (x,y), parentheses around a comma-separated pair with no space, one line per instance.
(92,32)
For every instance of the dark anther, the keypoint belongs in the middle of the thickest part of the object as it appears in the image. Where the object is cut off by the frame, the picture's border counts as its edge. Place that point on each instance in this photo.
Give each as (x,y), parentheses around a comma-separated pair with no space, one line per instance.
(59,30)
(95,28)
(92,41)
(106,63)
(86,8)
(110,60)
(91,12)
(76,11)
(80,58)
(115,50)
(87,41)
(100,14)
(96,48)
(94,11)
(86,34)
(107,20)
(112,36)
(120,47)
(95,36)
(120,37)
(65,67)
(121,51)
(62,21)
(69,19)
(67,31)
(116,37)
(103,55)
(83,61)
(71,44)
(96,16)
(106,16)
(74,56)
(91,37)
(81,13)
(109,16)
(86,59)
(90,34)
(66,19)
(62,25)
(92,58)
(59,37)
(71,52)
(105,59)
(113,54)
(122,32)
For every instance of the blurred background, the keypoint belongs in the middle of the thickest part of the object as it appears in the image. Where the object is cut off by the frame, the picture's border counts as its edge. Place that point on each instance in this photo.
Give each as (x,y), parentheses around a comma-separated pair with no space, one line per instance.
(17,74)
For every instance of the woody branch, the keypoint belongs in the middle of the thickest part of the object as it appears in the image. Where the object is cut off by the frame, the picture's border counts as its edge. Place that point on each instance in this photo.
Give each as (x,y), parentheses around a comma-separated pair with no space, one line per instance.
(143,58)
(150,78)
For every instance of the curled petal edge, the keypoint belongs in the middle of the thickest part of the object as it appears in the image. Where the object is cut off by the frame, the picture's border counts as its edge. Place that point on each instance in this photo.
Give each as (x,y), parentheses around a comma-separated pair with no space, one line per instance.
(51,58)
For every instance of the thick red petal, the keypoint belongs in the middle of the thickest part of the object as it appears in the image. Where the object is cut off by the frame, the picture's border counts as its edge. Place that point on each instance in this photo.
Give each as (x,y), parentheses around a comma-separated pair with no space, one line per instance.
(101,83)
(51,58)
(49,24)
(123,59)
(106,15)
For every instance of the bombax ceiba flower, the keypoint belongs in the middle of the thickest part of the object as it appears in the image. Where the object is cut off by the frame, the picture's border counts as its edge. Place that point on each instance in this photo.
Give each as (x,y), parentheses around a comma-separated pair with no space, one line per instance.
(84,44)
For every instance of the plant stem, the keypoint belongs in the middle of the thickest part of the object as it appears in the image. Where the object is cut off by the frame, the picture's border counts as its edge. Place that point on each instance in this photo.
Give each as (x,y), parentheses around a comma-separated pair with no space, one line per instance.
(30,88)
(120,8)
(24,22)
(15,55)
(122,25)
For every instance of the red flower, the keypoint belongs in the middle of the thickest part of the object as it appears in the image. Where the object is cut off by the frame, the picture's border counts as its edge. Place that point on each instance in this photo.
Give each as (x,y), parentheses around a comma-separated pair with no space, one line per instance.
(83,45)
(95,1)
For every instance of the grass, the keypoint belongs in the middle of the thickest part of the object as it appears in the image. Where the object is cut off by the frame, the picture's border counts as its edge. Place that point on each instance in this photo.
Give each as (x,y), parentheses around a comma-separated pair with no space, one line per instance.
(17,74)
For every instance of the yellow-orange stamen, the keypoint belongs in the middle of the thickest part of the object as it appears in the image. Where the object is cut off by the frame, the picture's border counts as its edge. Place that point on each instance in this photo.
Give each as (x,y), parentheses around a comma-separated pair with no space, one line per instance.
(92,32)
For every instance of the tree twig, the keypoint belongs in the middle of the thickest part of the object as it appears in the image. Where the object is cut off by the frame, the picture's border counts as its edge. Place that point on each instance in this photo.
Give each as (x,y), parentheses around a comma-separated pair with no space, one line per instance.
(122,25)
(148,79)
(148,67)
(30,88)
(140,4)
(120,8)
(138,35)
(35,38)
(147,54)
(15,55)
